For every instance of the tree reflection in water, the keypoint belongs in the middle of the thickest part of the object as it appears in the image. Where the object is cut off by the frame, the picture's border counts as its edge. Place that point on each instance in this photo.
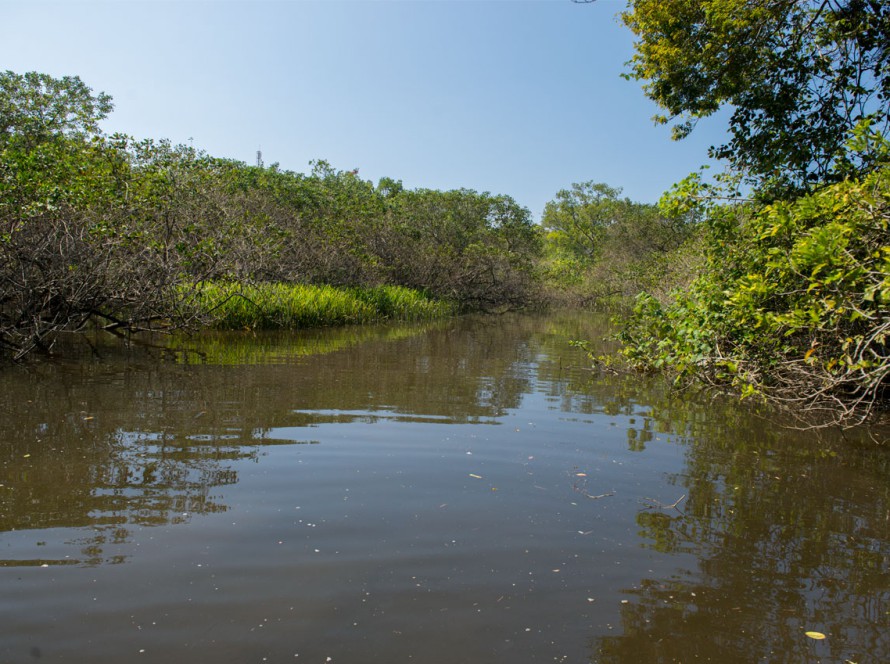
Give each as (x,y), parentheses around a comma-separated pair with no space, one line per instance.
(779,532)
(781,539)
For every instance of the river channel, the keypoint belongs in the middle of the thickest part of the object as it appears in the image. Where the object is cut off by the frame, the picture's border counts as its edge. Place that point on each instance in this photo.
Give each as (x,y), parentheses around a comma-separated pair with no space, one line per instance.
(461,492)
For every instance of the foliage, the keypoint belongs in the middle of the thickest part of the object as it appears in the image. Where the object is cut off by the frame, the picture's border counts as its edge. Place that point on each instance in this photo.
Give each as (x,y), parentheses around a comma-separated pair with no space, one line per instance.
(470,247)
(793,302)
(605,249)
(68,249)
(266,306)
(36,107)
(578,218)
(125,233)
(799,75)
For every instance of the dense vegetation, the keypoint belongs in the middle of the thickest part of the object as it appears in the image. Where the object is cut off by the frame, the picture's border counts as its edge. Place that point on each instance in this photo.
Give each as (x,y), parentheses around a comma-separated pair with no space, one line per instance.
(793,297)
(601,249)
(235,306)
(772,279)
(128,234)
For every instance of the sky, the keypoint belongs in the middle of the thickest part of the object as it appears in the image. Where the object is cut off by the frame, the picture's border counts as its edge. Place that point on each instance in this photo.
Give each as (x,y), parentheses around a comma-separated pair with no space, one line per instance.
(516,98)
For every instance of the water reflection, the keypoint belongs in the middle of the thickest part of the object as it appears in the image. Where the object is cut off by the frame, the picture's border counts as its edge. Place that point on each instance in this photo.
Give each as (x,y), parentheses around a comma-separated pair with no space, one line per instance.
(553,521)
(144,436)
(791,533)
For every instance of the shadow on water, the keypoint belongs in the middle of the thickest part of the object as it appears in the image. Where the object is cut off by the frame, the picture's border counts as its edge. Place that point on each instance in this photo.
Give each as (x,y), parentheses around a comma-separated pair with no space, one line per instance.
(773,533)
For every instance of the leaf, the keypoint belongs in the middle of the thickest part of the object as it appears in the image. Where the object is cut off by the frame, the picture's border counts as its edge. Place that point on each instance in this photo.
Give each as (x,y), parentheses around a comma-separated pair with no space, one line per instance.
(818,636)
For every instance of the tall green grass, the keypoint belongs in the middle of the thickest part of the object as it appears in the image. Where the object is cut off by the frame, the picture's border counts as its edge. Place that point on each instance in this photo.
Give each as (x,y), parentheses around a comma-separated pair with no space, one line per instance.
(269,306)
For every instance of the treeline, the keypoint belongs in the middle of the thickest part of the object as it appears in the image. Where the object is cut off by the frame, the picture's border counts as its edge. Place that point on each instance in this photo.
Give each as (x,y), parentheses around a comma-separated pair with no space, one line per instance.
(602,249)
(127,234)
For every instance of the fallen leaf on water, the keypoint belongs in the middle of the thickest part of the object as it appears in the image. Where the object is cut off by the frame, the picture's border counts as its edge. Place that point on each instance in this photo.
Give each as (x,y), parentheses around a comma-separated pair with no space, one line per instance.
(478,477)
(815,635)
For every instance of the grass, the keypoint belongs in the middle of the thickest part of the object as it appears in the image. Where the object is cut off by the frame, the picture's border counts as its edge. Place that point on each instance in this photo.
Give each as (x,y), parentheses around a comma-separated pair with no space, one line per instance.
(270,306)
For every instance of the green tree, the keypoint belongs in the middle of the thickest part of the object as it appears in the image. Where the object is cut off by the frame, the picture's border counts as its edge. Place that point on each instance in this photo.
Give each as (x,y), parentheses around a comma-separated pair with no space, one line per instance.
(475,248)
(799,75)
(792,303)
(35,107)
(85,232)
(792,300)
(105,230)
(605,249)
(577,219)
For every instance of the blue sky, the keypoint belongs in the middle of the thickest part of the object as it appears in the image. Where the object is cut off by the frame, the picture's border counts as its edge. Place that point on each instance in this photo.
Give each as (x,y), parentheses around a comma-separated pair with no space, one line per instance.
(518,98)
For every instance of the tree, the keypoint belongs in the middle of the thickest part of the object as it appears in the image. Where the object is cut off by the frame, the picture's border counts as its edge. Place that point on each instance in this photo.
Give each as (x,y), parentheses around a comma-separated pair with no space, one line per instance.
(577,218)
(35,107)
(606,249)
(799,75)
(791,302)
(474,248)
(78,237)
(105,230)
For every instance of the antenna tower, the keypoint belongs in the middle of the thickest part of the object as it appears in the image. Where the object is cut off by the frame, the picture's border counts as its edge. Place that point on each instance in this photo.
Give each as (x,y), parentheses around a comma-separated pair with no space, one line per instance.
(259,158)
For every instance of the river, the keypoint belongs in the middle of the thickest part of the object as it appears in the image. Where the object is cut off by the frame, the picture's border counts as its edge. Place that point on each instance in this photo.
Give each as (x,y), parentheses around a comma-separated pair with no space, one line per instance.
(461,492)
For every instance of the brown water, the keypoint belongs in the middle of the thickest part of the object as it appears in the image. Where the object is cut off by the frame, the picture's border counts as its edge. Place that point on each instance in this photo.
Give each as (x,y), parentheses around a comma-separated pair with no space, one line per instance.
(466,492)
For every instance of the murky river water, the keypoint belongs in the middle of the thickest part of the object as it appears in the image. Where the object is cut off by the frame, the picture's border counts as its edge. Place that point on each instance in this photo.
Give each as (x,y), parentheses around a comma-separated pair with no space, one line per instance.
(464,492)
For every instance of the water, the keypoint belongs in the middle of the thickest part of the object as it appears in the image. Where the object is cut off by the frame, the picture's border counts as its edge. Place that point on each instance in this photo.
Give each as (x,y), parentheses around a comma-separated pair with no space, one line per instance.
(462,492)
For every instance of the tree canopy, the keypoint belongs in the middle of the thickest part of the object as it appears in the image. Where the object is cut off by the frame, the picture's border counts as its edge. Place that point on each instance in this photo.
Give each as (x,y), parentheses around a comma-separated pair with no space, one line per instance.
(36,106)
(799,75)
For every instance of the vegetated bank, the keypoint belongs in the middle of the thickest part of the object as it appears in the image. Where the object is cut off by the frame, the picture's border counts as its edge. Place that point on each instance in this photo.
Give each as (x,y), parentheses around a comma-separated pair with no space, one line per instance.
(792,299)
(142,234)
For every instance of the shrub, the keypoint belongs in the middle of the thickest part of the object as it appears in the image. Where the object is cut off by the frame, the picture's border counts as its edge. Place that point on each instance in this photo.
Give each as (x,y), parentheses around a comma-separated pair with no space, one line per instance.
(792,304)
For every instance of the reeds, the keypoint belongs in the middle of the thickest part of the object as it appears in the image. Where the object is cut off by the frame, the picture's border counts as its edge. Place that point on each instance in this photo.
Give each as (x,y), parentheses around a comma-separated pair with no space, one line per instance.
(269,306)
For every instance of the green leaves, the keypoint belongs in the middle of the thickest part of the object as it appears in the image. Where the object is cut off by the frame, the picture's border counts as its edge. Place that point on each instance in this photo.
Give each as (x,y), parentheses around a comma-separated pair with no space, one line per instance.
(36,107)
(798,75)
(603,248)
(122,231)
(792,299)
(793,303)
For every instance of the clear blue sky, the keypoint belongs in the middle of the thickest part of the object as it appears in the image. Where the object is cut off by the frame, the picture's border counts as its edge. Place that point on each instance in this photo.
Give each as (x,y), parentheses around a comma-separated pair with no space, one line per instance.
(518,98)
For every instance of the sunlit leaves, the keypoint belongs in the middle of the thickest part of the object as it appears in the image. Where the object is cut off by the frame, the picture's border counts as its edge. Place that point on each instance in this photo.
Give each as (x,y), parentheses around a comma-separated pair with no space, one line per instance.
(794,297)
(797,75)
(604,248)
